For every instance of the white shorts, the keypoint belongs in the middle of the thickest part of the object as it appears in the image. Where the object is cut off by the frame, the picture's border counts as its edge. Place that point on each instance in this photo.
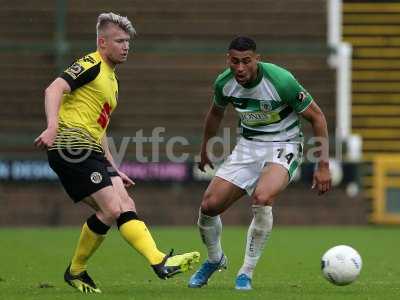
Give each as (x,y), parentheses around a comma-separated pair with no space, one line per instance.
(244,166)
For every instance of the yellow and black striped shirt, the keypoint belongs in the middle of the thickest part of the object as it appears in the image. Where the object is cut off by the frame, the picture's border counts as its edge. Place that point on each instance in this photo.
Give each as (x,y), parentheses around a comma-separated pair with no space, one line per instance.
(85,112)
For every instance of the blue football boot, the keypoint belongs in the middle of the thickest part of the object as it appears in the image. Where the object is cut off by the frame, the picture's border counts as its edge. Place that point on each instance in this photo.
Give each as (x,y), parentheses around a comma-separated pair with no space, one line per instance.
(205,271)
(243,282)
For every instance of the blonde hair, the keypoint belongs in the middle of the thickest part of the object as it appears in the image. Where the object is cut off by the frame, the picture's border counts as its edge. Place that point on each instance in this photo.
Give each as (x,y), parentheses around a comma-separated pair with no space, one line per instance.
(123,22)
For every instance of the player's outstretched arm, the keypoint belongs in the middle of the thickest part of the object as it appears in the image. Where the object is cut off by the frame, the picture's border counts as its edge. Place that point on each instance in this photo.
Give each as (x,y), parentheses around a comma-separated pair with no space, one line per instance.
(322,177)
(52,101)
(211,125)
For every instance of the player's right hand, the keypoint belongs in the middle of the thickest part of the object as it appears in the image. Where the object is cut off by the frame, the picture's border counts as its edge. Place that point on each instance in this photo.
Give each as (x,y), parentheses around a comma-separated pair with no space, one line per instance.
(46,138)
(204,161)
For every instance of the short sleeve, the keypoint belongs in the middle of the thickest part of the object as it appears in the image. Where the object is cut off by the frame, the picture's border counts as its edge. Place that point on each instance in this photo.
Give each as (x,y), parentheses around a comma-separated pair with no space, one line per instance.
(297,96)
(81,72)
(219,99)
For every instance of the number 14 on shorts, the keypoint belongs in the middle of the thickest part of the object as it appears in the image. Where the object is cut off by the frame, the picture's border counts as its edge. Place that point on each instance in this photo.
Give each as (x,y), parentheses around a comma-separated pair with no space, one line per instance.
(283,155)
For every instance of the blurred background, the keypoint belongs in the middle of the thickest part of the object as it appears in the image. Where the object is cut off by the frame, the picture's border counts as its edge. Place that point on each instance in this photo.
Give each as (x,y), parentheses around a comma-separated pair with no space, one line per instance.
(345,53)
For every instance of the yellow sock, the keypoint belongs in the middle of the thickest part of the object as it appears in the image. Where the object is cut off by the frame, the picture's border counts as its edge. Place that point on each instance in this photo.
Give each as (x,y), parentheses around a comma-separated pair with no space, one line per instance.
(88,243)
(138,236)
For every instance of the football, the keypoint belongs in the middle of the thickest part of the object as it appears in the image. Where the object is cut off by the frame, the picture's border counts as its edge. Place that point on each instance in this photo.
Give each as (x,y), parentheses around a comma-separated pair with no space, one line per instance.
(341,265)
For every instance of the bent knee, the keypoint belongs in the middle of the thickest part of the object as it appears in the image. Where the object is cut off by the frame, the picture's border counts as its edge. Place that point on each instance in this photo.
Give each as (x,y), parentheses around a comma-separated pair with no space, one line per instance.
(128,204)
(112,213)
(263,199)
(209,205)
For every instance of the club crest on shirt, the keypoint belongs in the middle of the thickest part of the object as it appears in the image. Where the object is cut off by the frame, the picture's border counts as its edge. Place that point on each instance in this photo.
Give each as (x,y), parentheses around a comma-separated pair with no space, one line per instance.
(301,96)
(265,105)
(74,70)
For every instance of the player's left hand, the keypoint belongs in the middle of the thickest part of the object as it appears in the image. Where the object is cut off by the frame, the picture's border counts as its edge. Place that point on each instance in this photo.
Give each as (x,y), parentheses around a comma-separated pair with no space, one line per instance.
(126,180)
(46,138)
(322,179)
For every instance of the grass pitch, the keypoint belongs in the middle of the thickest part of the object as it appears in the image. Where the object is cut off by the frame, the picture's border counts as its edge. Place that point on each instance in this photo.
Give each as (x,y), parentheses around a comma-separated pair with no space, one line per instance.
(33,261)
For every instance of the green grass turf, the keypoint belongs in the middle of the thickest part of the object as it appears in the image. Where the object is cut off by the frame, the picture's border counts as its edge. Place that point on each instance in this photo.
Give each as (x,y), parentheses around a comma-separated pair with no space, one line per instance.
(33,261)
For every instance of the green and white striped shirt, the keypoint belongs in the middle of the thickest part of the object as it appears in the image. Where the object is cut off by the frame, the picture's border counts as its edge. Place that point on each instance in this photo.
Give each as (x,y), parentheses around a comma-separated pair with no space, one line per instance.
(268,107)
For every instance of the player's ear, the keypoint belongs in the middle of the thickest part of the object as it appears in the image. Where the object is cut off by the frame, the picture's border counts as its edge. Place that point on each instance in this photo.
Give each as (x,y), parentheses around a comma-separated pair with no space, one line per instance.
(101,42)
(258,57)
(228,58)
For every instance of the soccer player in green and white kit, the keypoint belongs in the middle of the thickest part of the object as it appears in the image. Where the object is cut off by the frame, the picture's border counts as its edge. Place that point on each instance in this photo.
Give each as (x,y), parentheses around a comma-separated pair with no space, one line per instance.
(269,102)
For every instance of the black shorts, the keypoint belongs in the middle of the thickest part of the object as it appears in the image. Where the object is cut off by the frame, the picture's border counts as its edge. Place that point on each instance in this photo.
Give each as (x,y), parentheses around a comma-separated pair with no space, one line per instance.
(81,172)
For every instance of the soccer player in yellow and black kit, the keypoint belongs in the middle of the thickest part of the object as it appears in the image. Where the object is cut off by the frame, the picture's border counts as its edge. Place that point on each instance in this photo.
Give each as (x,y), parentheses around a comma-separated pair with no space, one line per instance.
(78,107)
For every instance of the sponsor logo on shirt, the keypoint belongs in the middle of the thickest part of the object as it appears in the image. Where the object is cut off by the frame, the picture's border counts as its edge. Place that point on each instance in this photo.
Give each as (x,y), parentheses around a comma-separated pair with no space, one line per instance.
(259,118)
